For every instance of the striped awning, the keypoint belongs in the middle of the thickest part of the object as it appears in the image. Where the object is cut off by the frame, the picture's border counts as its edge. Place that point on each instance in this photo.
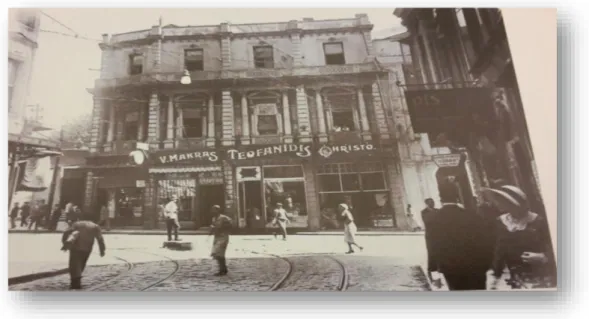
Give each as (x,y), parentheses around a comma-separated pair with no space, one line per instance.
(191,169)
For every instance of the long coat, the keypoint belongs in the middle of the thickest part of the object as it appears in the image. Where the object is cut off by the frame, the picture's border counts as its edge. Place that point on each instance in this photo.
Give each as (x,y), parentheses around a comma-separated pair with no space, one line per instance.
(86,233)
(459,241)
(221,228)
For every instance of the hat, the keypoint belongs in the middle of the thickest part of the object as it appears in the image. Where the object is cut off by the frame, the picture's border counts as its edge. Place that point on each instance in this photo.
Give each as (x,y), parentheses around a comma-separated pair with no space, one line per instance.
(508,197)
(279,204)
(344,206)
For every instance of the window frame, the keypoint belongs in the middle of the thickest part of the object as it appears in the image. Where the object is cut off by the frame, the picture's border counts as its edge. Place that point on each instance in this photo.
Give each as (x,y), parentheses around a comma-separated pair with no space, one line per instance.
(133,68)
(265,63)
(14,66)
(188,62)
(341,55)
(357,171)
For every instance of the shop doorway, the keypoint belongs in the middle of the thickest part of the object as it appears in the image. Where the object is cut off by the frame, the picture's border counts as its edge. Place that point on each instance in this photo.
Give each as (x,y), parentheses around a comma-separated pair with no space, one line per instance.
(252,204)
(209,195)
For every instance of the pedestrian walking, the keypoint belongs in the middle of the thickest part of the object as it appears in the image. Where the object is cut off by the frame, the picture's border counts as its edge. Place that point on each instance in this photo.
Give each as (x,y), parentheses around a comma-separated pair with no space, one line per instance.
(220,228)
(523,241)
(427,214)
(25,212)
(171,215)
(459,242)
(349,228)
(55,215)
(70,214)
(36,216)
(412,222)
(79,241)
(280,220)
(13,215)
(104,217)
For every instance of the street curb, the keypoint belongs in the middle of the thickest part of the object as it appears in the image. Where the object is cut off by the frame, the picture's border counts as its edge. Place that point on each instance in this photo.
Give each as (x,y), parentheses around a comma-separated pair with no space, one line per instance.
(36,276)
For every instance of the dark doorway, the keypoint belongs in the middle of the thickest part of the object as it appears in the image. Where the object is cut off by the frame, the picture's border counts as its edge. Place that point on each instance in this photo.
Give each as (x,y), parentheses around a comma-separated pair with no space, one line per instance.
(251,204)
(209,195)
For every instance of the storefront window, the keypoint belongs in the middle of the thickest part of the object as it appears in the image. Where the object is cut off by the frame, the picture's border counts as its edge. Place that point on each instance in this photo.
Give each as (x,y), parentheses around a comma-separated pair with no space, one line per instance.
(360,185)
(129,205)
(285,184)
(184,190)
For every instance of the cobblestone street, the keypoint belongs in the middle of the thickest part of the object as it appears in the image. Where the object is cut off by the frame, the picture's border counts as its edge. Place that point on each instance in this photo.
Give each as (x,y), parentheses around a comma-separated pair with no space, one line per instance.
(256,263)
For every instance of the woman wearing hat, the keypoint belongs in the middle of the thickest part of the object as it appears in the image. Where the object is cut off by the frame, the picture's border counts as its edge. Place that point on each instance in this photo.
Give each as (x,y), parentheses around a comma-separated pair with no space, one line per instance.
(522,240)
(349,228)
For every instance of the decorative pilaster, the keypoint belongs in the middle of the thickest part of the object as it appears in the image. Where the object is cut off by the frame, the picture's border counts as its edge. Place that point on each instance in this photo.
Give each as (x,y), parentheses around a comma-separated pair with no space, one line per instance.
(227,118)
(153,122)
(379,112)
(141,126)
(363,117)
(229,191)
(295,39)
(105,57)
(245,122)
(286,118)
(111,123)
(169,143)
(211,122)
(304,122)
(89,191)
(156,48)
(96,124)
(320,116)
(225,46)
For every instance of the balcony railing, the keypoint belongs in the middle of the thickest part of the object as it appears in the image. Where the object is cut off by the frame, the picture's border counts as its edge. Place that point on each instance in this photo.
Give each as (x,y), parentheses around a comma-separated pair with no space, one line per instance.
(153,78)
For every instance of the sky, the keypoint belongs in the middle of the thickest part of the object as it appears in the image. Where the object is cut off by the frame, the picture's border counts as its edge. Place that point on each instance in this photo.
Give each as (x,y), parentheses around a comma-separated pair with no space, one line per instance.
(65,66)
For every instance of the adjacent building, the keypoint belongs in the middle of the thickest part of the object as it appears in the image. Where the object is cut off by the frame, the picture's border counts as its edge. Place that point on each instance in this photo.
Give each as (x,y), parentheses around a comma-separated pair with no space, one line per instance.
(462,66)
(289,112)
(22,47)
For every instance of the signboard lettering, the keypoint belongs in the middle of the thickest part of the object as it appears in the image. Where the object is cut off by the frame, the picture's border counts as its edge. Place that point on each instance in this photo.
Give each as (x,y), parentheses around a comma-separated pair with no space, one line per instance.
(447,160)
(298,150)
(205,155)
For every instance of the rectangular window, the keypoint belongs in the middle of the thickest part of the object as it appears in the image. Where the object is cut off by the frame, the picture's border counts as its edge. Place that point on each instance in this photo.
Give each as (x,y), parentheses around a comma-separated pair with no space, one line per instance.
(13,68)
(194,59)
(351,177)
(131,126)
(267,125)
(334,53)
(192,121)
(264,57)
(343,120)
(135,64)
(283,171)
(105,122)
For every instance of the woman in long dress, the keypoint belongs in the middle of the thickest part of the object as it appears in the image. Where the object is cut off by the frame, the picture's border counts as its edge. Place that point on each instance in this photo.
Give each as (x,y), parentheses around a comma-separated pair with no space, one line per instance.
(220,229)
(349,228)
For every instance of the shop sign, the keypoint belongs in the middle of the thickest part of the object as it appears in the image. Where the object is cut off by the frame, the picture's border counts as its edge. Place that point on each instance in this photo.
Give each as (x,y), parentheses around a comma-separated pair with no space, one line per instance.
(447,160)
(210,178)
(327,151)
(435,111)
(207,156)
(140,183)
(293,149)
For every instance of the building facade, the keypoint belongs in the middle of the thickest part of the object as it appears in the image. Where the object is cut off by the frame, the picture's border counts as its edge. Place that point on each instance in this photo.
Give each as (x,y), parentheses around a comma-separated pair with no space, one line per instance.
(464,52)
(23,143)
(286,112)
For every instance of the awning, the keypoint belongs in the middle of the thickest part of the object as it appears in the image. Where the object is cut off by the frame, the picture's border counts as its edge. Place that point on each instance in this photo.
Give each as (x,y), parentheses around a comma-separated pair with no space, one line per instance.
(191,169)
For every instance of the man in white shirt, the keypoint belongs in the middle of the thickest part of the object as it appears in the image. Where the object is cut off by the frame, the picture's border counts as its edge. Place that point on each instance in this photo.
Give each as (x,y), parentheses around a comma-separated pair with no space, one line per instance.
(171,215)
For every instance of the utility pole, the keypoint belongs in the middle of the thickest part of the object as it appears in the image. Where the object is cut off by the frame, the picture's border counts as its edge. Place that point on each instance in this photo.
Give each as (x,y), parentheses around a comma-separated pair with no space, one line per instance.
(56,170)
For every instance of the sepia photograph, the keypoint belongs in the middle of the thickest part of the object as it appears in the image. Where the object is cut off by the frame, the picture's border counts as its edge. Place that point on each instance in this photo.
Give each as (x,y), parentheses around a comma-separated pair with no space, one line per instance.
(252,150)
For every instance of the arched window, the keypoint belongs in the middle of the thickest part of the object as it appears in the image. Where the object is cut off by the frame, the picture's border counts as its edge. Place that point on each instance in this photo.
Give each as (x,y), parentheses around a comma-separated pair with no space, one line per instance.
(192,115)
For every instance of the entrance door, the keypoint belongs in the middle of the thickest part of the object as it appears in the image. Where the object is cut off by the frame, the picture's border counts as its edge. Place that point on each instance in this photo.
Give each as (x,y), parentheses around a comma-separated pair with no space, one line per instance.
(251,204)
(209,195)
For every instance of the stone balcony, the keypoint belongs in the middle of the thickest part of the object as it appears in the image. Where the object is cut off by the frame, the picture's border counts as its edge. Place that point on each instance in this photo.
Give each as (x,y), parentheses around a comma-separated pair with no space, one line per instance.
(172,78)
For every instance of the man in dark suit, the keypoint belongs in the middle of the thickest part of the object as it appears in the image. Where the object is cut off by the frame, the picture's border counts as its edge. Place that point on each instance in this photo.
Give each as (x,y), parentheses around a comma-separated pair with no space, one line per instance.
(79,240)
(427,214)
(460,242)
